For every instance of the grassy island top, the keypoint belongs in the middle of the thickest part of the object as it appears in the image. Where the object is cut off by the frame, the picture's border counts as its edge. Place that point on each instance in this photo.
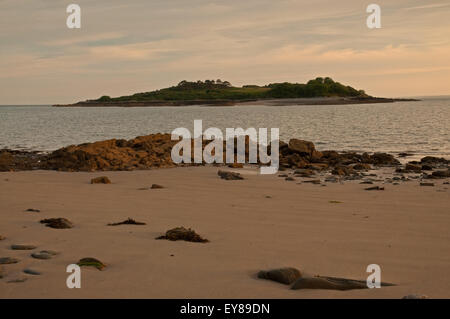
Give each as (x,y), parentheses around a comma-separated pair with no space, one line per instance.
(223,90)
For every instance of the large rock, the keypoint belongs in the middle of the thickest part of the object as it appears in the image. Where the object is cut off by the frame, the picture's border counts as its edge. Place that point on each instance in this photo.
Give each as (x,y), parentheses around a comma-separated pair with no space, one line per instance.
(282,275)
(304,148)
(142,152)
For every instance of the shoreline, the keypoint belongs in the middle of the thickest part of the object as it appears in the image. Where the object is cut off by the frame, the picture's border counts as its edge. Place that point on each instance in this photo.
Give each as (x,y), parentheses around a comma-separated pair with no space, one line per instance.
(265,102)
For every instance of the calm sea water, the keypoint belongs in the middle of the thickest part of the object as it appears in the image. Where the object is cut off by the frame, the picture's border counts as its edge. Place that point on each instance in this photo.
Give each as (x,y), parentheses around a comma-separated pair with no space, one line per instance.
(419,127)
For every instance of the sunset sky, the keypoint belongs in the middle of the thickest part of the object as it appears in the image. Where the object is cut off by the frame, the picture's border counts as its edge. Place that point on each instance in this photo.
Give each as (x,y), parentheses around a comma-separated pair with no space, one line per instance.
(124,47)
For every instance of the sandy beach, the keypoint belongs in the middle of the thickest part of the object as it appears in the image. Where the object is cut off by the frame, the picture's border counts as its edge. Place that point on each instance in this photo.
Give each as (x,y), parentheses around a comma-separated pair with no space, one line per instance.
(258,223)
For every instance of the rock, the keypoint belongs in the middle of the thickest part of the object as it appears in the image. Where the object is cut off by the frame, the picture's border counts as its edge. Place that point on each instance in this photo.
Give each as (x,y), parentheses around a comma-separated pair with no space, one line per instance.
(366,182)
(304,148)
(380,159)
(156,186)
(236,165)
(128,221)
(2,238)
(427,184)
(58,223)
(282,275)
(361,166)
(100,180)
(342,171)
(441,174)
(32,210)
(31,272)
(229,175)
(289,179)
(314,181)
(23,247)
(375,188)
(426,167)
(42,255)
(404,154)
(50,252)
(91,262)
(434,160)
(8,260)
(331,283)
(181,233)
(416,296)
(413,167)
(142,152)
(283,175)
(2,272)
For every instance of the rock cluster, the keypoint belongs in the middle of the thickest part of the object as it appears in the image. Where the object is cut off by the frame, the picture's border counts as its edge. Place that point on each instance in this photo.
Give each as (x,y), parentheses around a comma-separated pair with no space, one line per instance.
(154,151)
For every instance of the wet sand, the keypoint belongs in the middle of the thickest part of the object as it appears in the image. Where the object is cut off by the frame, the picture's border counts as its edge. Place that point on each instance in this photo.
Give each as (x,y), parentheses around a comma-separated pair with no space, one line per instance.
(337,230)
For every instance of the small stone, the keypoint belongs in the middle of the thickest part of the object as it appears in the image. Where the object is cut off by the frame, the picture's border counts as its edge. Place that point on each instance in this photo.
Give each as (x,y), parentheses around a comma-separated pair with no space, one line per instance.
(32,272)
(32,210)
(42,255)
(375,188)
(314,181)
(8,260)
(2,272)
(50,252)
(283,175)
(101,180)
(2,238)
(157,186)
(289,179)
(229,175)
(282,275)
(23,247)
(91,262)
(58,223)
(427,184)
(181,233)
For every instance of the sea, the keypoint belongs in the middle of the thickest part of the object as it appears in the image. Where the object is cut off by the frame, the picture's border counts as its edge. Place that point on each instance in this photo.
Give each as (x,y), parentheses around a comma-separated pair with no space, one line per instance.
(421,128)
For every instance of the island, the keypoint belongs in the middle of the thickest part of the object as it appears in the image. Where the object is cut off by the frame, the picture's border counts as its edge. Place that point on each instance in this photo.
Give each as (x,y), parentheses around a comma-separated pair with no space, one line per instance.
(320,91)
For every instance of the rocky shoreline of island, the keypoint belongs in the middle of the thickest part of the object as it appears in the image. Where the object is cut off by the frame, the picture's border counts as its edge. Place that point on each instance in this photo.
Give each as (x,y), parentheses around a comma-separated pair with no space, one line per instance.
(242,102)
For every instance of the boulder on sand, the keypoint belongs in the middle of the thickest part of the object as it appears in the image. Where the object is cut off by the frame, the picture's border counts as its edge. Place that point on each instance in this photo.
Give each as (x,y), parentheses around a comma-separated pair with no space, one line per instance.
(58,223)
(282,275)
(101,180)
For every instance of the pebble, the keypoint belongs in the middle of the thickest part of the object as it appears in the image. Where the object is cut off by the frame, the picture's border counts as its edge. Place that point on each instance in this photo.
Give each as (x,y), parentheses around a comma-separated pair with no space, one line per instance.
(8,260)
(23,247)
(42,255)
(32,272)
(32,210)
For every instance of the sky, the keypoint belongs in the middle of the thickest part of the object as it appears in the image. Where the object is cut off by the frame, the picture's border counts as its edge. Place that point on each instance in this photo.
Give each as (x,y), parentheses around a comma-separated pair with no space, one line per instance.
(125,47)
